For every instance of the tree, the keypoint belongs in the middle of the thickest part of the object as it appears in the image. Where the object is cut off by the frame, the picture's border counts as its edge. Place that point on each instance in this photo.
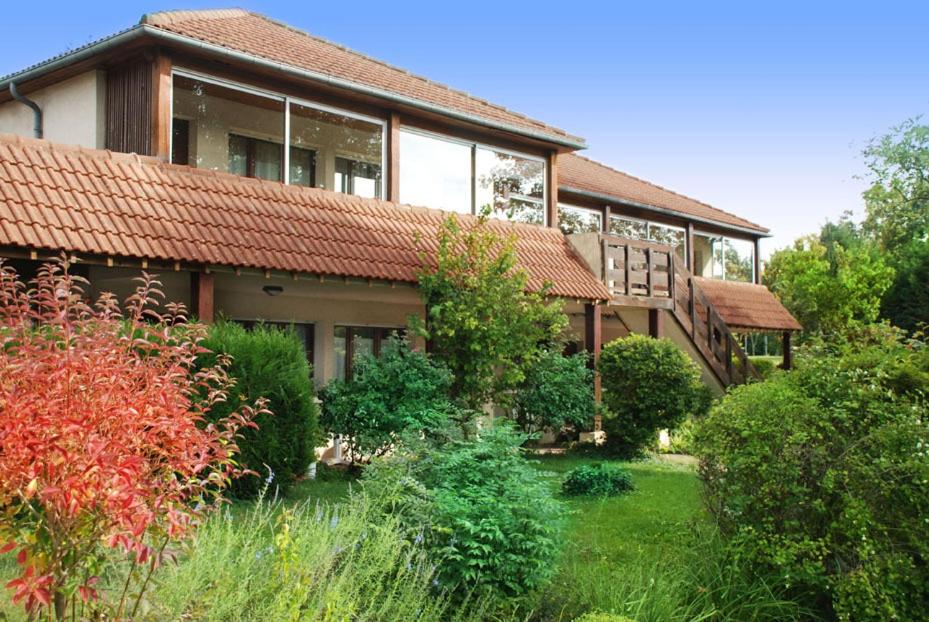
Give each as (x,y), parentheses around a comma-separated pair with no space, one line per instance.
(558,391)
(897,203)
(906,303)
(400,390)
(104,440)
(482,321)
(828,296)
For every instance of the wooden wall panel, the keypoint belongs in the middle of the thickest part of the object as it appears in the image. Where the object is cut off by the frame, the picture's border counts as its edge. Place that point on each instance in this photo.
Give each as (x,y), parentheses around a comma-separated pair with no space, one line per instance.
(129,100)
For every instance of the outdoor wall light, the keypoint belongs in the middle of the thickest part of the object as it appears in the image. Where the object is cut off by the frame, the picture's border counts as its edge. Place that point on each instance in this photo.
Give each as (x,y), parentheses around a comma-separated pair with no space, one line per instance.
(273,290)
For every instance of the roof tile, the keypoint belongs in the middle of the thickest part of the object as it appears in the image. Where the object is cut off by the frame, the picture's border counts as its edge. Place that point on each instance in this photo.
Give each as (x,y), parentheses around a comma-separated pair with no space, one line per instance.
(106,203)
(747,305)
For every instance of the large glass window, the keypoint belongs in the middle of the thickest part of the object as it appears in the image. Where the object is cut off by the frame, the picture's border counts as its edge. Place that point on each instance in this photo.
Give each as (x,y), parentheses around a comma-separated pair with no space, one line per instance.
(719,257)
(573,219)
(348,151)
(466,177)
(510,187)
(352,342)
(234,129)
(628,227)
(227,129)
(435,172)
(636,229)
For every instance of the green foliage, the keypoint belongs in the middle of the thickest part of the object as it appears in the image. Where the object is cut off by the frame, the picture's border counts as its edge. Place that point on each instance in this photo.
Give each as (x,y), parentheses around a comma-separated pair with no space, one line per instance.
(557,392)
(597,480)
(897,203)
(829,288)
(818,477)
(906,303)
(268,362)
(648,385)
(311,562)
(487,517)
(602,617)
(764,365)
(481,318)
(398,391)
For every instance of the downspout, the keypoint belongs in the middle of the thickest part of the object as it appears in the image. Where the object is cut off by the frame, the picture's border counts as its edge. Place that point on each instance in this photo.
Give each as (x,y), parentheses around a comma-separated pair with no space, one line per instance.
(36,111)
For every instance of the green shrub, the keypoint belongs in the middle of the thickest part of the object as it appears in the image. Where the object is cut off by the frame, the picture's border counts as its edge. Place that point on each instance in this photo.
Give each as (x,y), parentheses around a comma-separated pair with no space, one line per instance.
(269,362)
(557,392)
(312,562)
(602,617)
(764,365)
(648,385)
(488,518)
(398,391)
(819,477)
(600,480)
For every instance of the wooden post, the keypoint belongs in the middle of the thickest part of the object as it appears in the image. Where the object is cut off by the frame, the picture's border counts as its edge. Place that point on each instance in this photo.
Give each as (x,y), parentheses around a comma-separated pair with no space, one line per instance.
(201,296)
(605,225)
(655,323)
(649,272)
(628,272)
(693,308)
(551,194)
(161,107)
(757,278)
(788,354)
(593,340)
(393,158)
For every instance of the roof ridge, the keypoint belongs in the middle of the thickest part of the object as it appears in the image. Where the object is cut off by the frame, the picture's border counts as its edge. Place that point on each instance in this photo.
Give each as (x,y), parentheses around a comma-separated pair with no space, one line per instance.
(660,187)
(179,15)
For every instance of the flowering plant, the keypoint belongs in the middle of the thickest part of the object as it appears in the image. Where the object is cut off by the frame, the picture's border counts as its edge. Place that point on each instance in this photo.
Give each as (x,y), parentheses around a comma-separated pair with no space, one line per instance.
(104,445)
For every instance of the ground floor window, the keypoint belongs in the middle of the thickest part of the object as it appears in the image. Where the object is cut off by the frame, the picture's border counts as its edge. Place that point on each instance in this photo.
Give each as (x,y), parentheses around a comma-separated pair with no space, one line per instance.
(354,341)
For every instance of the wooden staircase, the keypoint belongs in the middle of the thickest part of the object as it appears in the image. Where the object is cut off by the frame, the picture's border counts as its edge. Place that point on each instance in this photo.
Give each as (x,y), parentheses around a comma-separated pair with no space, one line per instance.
(650,275)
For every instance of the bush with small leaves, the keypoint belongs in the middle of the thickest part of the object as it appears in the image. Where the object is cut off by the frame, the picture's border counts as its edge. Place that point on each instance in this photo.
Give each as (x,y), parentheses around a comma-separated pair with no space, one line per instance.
(557,391)
(597,480)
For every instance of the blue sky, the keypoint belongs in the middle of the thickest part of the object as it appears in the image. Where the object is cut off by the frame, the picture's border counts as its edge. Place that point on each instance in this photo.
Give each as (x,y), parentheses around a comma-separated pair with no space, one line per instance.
(759,108)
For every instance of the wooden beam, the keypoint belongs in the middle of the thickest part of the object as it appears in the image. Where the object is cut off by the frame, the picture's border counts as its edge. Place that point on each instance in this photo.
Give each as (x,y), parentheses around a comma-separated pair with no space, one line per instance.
(655,323)
(689,232)
(393,158)
(201,296)
(161,107)
(757,260)
(551,193)
(788,353)
(593,341)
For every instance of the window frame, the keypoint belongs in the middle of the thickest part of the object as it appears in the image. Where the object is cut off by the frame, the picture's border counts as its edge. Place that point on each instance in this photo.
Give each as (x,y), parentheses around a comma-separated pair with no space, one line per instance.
(604,228)
(474,145)
(380,334)
(287,100)
(725,239)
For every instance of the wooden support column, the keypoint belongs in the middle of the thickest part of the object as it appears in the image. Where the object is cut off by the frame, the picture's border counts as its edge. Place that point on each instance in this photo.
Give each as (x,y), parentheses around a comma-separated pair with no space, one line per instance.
(201,296)
(655,323)
(689,259)
(757,260)
(551,190)
(593,340)
(161,107)
(788,353)
(393,158)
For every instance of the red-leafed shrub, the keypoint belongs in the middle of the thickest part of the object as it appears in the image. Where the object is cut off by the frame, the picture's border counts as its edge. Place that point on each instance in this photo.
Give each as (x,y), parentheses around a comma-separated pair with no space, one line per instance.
(105,452)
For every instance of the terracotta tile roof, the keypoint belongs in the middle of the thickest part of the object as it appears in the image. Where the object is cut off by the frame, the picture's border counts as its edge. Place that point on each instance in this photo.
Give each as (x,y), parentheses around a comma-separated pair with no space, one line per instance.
(97,202)
(257,35)
(584,174)
(747,306)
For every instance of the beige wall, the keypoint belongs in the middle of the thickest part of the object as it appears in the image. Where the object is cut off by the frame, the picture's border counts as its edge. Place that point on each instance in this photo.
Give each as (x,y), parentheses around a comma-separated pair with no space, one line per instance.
(73,112)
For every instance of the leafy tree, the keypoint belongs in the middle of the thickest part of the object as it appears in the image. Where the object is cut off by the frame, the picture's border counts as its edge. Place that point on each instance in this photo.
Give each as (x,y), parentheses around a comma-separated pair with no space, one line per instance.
(906,303)
(897,203)
(482,320)
(557,391)
(399,391)
(105,456)
(827,296)
(648,384)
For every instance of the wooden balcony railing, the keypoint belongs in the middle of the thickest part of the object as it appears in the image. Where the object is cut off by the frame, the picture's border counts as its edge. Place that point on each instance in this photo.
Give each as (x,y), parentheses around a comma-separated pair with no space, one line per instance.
(649,274)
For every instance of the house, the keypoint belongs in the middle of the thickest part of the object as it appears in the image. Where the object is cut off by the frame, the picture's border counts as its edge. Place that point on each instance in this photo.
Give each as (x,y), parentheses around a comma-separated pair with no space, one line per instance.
(265,173)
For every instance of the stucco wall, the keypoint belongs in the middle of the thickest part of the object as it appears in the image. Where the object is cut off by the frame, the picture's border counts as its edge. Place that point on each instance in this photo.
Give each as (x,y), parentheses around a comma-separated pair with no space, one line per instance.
(73,112)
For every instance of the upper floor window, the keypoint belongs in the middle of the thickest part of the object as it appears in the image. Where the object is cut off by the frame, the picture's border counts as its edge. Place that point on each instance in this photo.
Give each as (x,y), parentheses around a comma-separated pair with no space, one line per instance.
(628,227)
(572,219)
(720,257)
(229,127)
(469,178)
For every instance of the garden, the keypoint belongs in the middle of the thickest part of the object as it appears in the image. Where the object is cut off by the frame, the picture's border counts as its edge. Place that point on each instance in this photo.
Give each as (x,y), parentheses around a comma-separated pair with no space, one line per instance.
(156,468)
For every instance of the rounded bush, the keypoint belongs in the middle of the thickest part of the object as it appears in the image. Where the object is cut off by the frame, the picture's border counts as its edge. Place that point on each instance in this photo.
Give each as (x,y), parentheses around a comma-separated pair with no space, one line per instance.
(558,391)
(648,385)
(818,477)
(597,480)
(268,362)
